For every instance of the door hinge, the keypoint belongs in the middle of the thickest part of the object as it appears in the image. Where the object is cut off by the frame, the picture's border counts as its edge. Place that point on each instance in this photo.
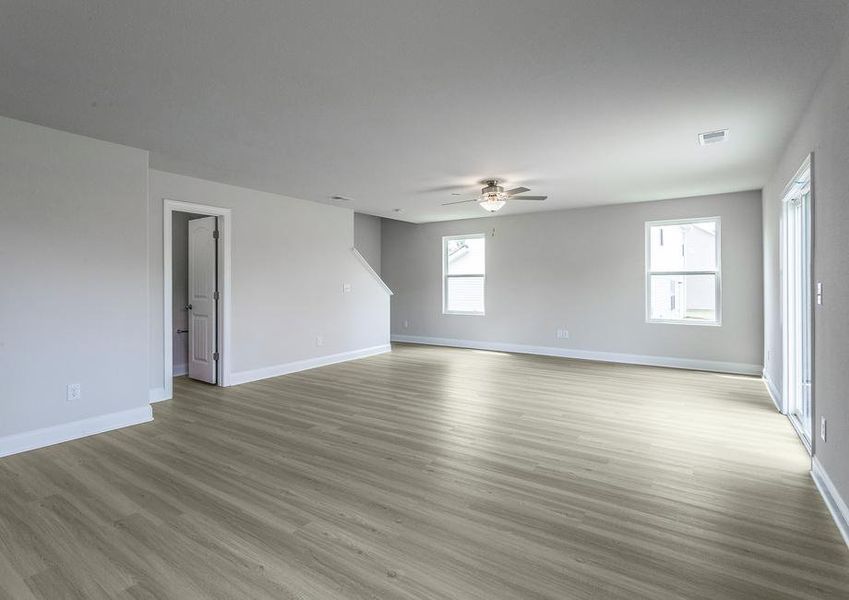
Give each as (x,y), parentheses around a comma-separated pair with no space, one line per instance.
(215,356)
(216,295)
(215,234)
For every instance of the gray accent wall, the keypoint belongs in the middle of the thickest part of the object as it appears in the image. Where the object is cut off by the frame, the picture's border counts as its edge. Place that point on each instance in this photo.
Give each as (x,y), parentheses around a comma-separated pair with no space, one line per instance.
(367,239)
(581,270)
(823,131)
(73,262)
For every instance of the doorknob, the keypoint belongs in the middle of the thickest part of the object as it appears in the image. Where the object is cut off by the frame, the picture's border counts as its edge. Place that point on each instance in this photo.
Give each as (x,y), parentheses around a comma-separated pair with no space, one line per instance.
(188,307)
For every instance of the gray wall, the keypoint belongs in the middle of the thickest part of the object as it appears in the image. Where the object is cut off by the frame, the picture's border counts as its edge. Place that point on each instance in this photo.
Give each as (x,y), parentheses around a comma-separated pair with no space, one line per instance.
(367,239)
(290,259)
(180,288)
(582,270)
(81,265)
(824,130)
(73,261)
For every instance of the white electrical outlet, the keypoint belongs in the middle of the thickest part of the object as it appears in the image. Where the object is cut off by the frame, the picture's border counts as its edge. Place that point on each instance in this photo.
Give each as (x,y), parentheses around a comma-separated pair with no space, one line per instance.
(562,334)
(346,288)
(319,341)
(822,428)
(406,323)
(74,392)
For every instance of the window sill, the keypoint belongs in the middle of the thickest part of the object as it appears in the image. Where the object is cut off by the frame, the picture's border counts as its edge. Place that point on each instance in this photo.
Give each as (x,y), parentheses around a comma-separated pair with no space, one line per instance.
(684,322)
(465,314)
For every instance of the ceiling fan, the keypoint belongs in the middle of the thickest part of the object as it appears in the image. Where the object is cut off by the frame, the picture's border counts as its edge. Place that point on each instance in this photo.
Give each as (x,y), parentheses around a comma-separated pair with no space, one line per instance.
(494,196)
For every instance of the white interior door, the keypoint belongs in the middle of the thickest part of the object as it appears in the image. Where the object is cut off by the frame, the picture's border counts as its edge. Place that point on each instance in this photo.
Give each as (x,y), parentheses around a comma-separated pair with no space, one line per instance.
(202,299)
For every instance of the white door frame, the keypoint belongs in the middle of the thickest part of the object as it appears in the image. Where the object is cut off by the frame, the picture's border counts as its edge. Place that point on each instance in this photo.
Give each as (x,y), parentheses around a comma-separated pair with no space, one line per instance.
(224,228)
(803,179)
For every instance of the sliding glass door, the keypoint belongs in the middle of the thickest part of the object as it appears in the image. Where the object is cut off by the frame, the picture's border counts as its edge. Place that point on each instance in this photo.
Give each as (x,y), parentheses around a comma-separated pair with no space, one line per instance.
(796,284)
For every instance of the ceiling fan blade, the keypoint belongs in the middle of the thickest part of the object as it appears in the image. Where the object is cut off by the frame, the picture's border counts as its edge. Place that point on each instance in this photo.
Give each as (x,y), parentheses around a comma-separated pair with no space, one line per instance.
(460,202)
(518,190)
(528,197)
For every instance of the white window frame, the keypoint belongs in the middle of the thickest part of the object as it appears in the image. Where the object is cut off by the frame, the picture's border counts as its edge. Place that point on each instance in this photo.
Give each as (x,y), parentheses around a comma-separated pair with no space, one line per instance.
(717,273)
(445,275)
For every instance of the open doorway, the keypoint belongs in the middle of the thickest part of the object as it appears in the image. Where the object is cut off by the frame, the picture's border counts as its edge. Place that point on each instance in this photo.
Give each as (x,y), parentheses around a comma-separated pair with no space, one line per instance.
(796,302)
(196,293)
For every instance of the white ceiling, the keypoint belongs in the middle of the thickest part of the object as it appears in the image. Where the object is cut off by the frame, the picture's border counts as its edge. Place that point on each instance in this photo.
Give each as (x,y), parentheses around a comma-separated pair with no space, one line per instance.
(586,101)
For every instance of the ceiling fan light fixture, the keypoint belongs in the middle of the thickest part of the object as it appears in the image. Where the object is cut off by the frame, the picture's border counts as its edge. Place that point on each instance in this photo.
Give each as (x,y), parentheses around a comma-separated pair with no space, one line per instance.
(493,197)
(491,204)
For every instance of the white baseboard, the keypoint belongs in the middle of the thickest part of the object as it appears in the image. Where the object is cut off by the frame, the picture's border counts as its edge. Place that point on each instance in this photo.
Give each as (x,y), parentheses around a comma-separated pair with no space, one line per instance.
(47,436)
(774,392)
(180,370)
(303,365)
(836,505)
(158,395)
(615,357)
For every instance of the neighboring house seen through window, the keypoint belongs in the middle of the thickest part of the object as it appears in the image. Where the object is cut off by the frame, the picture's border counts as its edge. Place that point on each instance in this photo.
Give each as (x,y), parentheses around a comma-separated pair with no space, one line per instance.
(683,271)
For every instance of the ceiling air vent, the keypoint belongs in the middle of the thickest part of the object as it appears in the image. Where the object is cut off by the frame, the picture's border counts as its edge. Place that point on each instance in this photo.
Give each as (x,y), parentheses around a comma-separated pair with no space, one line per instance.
(713,137)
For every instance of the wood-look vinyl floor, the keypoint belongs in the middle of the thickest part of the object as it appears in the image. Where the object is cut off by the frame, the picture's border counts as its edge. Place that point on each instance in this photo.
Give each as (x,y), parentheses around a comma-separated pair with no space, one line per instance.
(431,473)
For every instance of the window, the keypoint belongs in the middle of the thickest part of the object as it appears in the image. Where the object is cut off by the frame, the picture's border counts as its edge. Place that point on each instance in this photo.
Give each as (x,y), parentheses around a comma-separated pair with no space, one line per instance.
(463,274)
(683,272)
